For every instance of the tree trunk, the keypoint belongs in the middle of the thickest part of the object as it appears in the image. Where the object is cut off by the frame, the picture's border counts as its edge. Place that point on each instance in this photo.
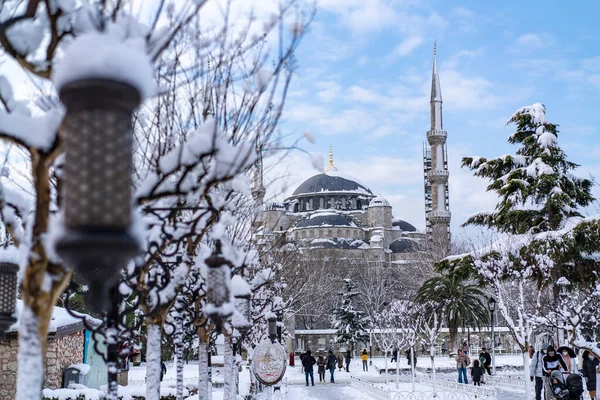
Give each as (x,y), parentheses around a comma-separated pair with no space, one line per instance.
(38,298)
(412,366)
(227,357)
(526,375)
(452,344)
(432,356)
(203,381)
(153,361)
(385,354)
(398,370)
(179,359)
(30,360)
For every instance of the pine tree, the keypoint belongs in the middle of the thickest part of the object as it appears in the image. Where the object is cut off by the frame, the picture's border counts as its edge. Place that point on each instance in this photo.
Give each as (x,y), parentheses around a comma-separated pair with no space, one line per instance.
(537,190)
(540,200)
(349,322)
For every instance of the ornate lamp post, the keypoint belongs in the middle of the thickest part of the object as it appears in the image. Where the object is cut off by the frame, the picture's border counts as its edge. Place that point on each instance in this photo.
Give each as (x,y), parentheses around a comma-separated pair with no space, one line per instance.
(97,186)
(492,309)
(272,320)
(8,296)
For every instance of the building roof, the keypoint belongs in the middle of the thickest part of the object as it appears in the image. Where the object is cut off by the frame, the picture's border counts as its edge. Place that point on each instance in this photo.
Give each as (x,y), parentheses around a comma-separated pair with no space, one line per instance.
(325,219)
(403,245)
(331,182)
(403,225)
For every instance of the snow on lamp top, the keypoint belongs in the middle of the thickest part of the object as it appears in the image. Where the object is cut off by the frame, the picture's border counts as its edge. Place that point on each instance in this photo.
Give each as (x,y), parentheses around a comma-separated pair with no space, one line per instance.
(239,287)
(106,55)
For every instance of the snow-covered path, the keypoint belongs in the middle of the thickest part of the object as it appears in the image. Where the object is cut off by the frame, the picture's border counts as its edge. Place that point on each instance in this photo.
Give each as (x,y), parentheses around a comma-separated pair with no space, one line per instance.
(324,391)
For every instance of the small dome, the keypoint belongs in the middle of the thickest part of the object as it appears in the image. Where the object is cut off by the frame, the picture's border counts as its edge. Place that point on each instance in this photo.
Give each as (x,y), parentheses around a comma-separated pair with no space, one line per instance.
(275,206)
(403,226)
(379,201)
(324,219)
(403,245)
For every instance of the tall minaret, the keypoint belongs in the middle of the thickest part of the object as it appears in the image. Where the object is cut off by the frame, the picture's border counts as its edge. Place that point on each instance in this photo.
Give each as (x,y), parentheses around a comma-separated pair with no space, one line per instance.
(258,188)
(436,168)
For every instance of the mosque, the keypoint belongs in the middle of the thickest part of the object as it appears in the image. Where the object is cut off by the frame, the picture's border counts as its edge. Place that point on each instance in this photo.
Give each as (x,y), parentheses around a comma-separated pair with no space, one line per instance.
(337,212)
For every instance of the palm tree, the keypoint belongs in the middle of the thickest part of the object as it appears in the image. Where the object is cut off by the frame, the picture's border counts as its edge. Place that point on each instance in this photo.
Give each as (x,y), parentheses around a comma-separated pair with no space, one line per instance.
(462,301)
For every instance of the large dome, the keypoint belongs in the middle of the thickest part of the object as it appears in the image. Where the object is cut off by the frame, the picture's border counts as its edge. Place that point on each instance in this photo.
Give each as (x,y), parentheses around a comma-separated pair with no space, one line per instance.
(331,182)
(324,219)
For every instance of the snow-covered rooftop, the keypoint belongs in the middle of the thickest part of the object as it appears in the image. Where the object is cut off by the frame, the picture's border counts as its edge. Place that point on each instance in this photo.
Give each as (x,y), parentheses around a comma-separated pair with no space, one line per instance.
(60,319)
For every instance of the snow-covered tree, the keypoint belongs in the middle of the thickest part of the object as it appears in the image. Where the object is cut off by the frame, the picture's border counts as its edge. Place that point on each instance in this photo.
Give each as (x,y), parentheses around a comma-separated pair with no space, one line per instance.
(540,213)
(350,323)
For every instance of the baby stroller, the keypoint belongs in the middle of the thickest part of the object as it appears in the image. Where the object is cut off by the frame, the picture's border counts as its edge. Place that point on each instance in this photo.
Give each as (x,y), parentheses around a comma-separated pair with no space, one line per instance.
(570,388)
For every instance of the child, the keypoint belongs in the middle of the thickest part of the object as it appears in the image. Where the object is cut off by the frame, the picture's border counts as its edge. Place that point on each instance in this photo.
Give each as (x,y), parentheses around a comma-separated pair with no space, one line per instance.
(482,366)
(559,389)
(476,373)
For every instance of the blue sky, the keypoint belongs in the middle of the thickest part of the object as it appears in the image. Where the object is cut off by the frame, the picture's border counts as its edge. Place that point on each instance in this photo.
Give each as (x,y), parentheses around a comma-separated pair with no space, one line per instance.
(364,79)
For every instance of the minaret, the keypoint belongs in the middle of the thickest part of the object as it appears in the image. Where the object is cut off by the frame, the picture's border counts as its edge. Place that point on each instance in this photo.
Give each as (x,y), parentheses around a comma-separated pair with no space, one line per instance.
(436,167)
(258,188)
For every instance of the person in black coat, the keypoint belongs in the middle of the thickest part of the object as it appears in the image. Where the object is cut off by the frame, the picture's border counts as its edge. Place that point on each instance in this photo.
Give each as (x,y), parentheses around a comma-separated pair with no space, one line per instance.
(394,355)
(347,359)
(307,363)
(163,370)
(488,360)
(476,373)
(590,368)
(330,364)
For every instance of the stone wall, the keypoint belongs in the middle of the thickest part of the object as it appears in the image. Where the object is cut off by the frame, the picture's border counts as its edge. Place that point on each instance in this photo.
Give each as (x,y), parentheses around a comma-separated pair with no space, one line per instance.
(8,368)
(61,353)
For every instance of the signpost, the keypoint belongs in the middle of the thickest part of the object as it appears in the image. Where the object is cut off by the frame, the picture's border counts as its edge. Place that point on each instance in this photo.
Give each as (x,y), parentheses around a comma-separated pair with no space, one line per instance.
(270,359)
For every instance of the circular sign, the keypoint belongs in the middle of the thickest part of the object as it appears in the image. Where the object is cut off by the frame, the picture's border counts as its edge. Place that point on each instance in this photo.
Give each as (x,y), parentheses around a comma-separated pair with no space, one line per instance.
(269,362)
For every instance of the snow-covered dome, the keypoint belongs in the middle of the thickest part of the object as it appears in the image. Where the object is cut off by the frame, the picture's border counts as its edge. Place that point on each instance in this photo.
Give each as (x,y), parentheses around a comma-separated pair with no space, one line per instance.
(403,245)
(403,225)
(331,182)
(379,201)
(324,219)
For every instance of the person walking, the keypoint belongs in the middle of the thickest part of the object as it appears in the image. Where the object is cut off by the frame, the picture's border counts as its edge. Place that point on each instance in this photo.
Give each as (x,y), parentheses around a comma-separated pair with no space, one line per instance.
(476,373)
(536,371)
(163,370)
(462,362)
(340,360)
(347,359)
(321,368)
(307,363)
(364,356)
(488,360)
(394,356)
(590,368)
(465,347)
(552,361)
(330,363)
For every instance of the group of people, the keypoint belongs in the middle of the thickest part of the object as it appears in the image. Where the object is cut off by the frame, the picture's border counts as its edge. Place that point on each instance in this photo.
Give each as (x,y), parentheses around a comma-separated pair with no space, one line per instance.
(478,369)
(557,373)
(329,363)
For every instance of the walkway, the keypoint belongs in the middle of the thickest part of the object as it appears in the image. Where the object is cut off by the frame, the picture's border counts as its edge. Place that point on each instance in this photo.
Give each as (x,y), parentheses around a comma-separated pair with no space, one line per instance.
(337,391)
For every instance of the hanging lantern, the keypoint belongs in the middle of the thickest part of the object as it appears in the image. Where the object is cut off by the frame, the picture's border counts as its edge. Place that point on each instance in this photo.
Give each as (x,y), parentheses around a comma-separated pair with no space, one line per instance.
(8,296)
(97,134)
(272,327)
(242,305)
(218,293)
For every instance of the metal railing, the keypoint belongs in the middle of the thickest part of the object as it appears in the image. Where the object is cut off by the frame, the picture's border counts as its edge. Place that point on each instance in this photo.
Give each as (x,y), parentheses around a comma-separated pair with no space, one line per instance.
(375,391)
(506,381)
(431,396)
(481,392)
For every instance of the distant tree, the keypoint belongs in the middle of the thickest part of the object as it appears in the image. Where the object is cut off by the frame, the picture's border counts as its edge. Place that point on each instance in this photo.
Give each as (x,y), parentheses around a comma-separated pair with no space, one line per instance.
(349,322)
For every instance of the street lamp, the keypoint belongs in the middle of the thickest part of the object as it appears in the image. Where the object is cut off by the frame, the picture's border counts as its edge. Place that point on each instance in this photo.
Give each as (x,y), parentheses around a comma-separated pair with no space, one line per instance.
(8,296)
(272,319)
(97,133)
(218,292)
(492,308)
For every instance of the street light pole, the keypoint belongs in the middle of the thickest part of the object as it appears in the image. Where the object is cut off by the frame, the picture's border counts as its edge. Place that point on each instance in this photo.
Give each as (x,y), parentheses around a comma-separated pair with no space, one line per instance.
(492,308)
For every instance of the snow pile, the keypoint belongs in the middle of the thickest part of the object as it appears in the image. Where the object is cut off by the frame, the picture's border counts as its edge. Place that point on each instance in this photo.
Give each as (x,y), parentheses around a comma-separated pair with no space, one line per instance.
(73,394)
(110,55)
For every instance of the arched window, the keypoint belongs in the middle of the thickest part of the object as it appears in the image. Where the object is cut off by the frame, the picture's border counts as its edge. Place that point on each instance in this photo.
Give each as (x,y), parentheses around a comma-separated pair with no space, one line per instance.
(358,205)
(296,208)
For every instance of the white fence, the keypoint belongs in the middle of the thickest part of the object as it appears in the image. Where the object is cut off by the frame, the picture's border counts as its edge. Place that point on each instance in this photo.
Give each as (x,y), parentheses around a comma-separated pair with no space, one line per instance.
(480,392)
(451,391)
(513,382)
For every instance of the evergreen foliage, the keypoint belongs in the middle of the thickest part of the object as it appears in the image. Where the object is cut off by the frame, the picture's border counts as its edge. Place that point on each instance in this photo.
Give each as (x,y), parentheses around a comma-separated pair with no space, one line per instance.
(462,302)
(539,208)
(349,322)
(537,190)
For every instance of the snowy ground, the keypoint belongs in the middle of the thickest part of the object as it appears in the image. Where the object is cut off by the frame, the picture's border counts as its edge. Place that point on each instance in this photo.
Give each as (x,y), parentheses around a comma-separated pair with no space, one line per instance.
(295,381)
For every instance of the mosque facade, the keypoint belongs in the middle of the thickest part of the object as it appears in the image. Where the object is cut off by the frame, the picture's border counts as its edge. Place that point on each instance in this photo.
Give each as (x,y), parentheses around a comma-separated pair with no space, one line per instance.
(333,211)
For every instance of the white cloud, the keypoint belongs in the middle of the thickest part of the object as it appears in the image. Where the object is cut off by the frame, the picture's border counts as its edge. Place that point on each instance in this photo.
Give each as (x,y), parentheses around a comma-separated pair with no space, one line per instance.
(534,41)
(407,46)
